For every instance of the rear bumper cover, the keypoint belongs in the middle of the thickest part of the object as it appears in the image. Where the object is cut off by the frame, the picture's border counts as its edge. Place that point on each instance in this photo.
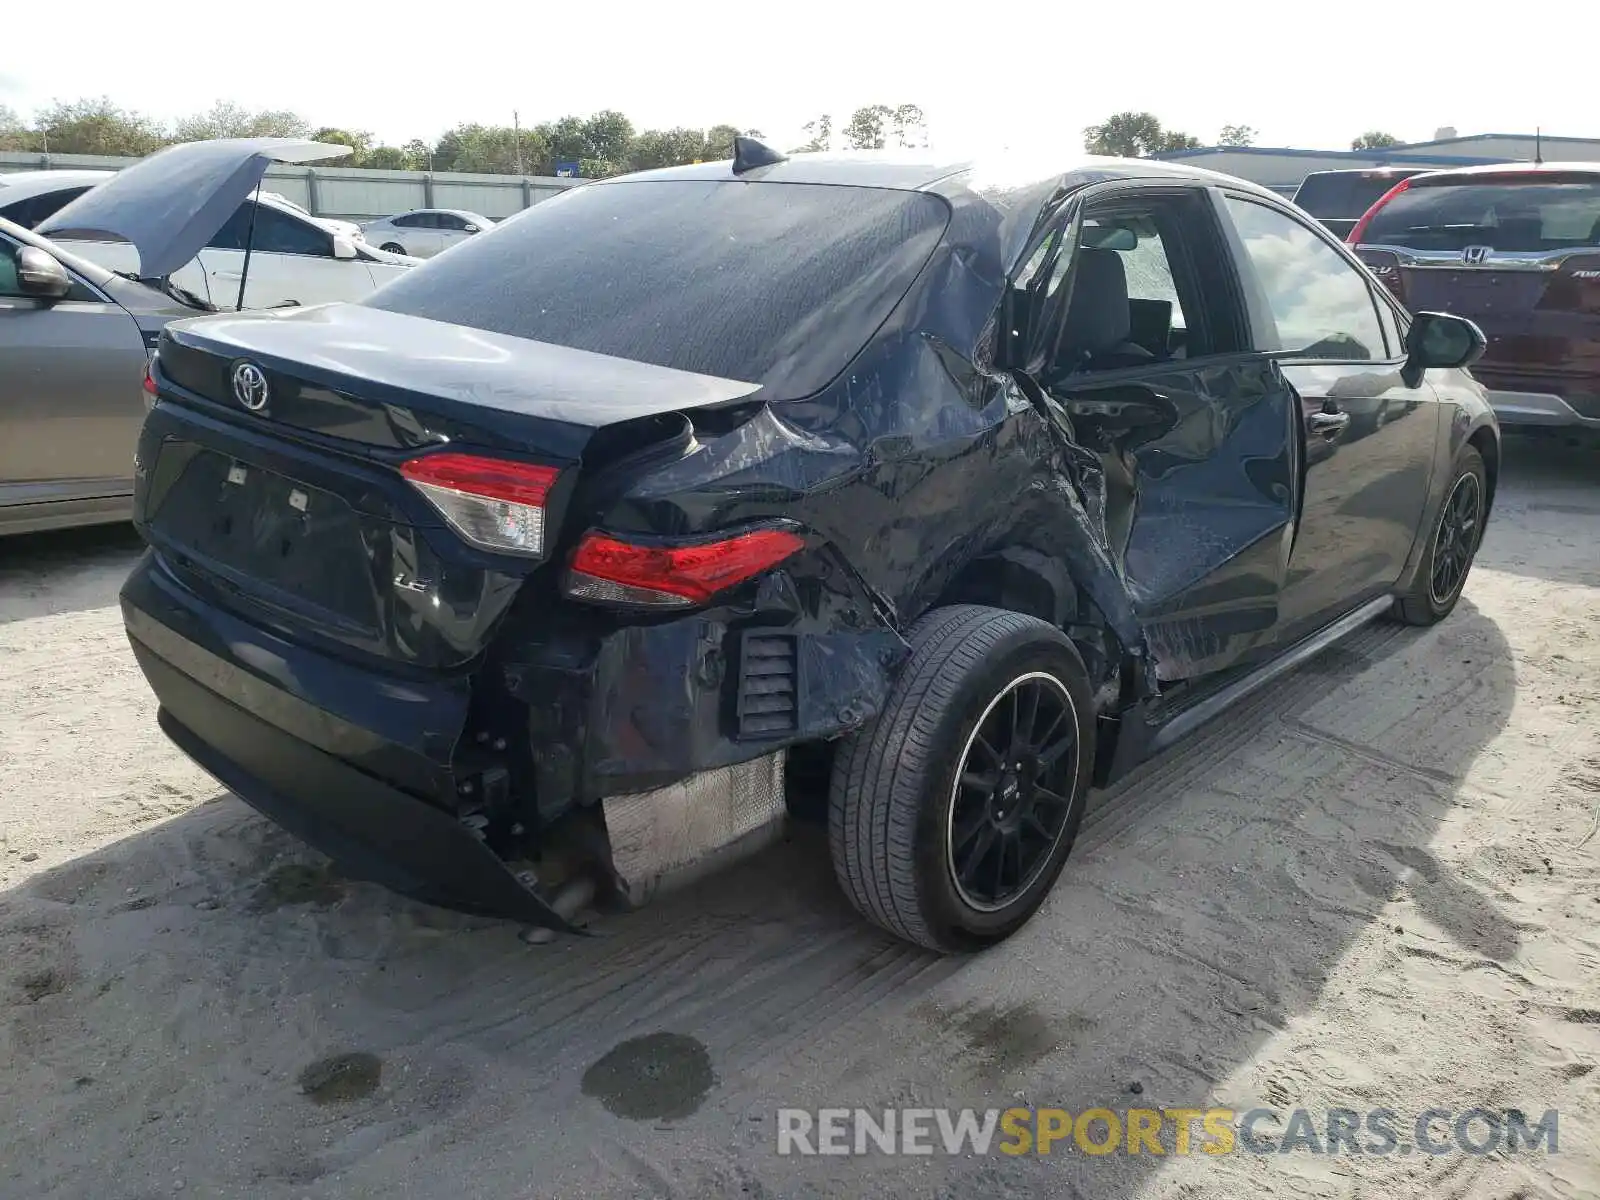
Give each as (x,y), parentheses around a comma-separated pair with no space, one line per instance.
(1537,408)
(360,766)
(277,756)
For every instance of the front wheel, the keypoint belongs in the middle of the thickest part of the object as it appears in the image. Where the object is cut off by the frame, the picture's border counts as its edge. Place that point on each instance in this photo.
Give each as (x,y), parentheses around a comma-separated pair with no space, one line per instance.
(951,815)
(1452,545)
(392,248)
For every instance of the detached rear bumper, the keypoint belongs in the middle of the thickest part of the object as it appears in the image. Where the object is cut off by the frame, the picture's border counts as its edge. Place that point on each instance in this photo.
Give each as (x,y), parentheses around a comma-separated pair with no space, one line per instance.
(198,662)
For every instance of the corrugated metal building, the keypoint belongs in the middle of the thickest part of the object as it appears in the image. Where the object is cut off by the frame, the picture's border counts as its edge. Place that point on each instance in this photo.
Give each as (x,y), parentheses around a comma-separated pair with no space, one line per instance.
(1282,169)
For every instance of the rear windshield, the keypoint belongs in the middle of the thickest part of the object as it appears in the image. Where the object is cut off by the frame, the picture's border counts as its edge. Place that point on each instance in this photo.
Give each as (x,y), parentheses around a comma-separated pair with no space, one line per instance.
(1342,195)
(31,211)
(1516,217)
(776,284)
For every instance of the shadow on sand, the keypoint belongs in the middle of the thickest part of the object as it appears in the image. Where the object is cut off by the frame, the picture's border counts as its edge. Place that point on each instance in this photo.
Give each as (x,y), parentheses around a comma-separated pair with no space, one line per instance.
(166,998)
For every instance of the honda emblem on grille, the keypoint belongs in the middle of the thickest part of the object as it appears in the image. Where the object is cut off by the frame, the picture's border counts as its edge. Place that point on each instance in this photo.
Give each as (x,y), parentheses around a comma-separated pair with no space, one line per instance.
(1475,254)
(250,386)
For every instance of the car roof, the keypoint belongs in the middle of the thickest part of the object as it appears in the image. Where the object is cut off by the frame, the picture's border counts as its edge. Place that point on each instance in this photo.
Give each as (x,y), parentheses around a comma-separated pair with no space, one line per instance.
(921,171)
(1512,169)
(1368,171)
(1021,187)
(21,185)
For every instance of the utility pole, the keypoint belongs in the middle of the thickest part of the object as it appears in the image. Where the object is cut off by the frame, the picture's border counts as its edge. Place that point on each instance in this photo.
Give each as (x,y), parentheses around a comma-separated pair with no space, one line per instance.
(516,125)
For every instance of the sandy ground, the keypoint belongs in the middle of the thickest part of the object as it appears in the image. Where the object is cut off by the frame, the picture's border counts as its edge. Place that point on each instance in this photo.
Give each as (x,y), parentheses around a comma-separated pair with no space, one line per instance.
(1374,886)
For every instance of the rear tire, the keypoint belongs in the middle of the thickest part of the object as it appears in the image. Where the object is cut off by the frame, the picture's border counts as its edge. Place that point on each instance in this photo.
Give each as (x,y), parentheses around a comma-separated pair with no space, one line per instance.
(392,248)
(951,815)
(1452,545)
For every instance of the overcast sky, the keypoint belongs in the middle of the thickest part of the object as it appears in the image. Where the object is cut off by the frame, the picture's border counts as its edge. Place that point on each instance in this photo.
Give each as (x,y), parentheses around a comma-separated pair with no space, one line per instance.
(1312,75)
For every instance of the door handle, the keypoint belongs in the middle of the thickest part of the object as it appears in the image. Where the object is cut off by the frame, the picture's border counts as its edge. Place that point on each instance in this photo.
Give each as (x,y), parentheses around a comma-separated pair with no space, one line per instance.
(1328,424)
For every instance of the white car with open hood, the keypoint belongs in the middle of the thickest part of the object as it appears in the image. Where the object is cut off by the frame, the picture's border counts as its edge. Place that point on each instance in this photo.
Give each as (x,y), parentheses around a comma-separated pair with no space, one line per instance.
(189,213)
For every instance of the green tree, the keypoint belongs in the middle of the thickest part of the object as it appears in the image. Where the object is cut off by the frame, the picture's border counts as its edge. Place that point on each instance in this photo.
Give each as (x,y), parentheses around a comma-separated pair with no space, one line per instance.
(1236,135)
(821,139)
(228,120)
(14,135)
(419,155)
(654,148)
(866,128)
(387,158)
(719,141)
(357,141)
(1374,139)
(97,126)
(491,150)
(1134,135)
(908,126)
(607,137)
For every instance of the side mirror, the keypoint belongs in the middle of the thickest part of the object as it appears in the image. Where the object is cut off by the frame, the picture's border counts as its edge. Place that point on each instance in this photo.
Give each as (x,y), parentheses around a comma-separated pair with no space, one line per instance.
(40,275)
(1442,340)
(343,247)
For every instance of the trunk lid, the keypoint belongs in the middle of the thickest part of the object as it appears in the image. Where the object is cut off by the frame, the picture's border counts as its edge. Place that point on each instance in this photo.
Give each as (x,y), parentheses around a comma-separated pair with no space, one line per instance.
(283,498)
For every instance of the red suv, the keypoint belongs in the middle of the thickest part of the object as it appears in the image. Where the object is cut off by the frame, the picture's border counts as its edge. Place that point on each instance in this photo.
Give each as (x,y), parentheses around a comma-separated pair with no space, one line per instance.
(1516,248)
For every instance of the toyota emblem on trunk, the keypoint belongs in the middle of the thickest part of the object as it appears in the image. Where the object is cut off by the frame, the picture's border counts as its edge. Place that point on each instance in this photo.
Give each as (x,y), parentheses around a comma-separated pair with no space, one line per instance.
(250,386)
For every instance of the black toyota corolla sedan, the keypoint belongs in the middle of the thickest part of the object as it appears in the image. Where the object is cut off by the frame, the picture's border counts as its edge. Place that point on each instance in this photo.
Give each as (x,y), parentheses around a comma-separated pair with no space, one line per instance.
(539,577)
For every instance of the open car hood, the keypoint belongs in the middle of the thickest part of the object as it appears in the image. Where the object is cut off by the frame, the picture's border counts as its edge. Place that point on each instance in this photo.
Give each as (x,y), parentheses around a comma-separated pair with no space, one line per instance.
(172,204)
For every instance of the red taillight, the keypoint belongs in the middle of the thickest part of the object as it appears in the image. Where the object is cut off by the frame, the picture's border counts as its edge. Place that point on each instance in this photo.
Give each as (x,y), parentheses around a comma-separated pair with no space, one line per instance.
(491,502)
(613,571)
(1360,230)
(149,381)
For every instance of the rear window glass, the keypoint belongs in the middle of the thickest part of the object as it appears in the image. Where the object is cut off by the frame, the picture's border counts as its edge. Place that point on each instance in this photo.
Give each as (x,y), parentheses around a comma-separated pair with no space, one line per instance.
(1346,196)
(31,211)
(776,284)
(1525,217)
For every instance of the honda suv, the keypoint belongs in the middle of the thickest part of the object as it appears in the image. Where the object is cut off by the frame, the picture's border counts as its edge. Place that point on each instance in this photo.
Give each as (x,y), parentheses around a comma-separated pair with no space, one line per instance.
(1516,249)
(533,580)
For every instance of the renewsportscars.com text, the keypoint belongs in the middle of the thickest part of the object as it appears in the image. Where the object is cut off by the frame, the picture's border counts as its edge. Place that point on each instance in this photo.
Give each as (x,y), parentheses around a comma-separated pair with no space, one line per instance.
(1163,1131)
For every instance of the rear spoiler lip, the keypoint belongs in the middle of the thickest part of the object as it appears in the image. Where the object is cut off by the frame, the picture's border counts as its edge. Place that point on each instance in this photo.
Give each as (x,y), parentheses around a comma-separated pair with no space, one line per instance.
(399,359)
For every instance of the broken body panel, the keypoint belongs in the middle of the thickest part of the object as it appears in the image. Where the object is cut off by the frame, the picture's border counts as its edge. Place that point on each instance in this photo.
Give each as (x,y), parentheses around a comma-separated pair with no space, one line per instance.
(1155,521)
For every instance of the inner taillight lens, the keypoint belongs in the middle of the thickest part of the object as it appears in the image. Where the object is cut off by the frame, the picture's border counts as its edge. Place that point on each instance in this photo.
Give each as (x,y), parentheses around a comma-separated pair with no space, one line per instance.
(612,571)
(493,503)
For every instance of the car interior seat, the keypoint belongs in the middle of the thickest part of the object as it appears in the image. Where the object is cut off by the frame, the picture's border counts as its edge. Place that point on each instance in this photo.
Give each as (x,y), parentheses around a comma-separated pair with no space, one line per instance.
(1150,325)
(1098,335)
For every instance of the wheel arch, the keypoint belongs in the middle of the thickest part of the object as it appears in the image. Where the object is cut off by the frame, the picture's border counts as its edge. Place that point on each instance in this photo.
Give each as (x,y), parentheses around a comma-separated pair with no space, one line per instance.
(1486,441)
(1023,580)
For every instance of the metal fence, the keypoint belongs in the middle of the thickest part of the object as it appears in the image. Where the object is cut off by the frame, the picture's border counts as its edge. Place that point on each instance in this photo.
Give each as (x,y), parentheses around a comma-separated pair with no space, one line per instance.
(354,193)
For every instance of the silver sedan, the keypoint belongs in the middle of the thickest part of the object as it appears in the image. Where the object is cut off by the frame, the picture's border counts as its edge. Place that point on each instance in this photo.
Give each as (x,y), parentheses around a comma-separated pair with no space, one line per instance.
(75,340)
(424,232)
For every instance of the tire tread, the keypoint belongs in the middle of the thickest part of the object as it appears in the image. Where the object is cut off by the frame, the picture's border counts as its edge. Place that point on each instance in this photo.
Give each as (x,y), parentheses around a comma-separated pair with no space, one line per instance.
(880,773)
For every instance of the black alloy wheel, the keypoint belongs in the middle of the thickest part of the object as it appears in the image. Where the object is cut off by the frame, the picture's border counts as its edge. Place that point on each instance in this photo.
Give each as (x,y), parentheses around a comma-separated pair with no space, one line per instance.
(951,814)
(1014,791)
(1451,547)
(1456,540)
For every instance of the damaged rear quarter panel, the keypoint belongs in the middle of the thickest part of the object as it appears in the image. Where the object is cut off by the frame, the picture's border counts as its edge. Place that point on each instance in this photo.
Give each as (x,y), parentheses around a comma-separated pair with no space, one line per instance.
(916,463)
